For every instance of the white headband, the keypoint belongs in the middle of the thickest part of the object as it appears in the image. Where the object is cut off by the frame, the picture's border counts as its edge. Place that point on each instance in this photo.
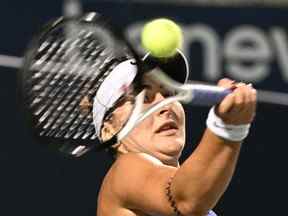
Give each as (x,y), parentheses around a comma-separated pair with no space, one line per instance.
(112,88)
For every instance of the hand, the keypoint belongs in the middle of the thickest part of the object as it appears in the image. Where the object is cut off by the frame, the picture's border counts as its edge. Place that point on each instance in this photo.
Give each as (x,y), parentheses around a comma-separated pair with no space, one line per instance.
(239,107)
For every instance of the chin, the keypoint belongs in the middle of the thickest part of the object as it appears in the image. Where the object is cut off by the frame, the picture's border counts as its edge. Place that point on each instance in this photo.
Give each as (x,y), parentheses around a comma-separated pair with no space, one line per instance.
(171,147)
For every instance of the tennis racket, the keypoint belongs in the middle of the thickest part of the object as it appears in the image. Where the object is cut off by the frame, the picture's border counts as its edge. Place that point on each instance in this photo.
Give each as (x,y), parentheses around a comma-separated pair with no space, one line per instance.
(64,65)
(75,62)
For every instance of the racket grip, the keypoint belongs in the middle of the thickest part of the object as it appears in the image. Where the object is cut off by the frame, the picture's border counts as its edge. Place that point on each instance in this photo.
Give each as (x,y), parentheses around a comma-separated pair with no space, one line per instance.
(209,97)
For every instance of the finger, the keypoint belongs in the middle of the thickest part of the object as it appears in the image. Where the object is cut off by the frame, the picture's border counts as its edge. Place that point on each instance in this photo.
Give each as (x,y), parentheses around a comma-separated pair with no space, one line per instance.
(240,100)
(251,94)
(248,101)
(226,104)
(226,83)
(240,84)
(253,99)
(250,104)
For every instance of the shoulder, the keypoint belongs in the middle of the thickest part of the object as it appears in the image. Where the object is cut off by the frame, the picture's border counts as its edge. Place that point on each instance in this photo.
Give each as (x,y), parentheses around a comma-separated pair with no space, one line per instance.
(136,181)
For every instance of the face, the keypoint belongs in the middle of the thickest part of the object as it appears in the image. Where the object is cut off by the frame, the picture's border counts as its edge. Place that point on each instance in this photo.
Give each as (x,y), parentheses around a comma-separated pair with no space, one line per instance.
(162,134)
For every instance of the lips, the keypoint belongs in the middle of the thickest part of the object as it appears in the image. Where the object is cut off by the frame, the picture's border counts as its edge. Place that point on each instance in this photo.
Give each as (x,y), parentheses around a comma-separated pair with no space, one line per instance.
(171,125)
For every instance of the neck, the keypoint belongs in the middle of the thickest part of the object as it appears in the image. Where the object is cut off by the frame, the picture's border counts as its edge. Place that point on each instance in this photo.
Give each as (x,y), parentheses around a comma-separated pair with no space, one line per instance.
(174,163)
(167,160)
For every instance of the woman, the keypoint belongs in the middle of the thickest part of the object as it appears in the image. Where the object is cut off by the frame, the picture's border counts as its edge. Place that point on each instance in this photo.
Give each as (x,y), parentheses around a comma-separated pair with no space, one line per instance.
(146,178)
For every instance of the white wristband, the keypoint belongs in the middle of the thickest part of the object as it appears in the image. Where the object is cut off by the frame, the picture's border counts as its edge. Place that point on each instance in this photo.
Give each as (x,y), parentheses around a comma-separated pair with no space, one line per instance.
(236,133)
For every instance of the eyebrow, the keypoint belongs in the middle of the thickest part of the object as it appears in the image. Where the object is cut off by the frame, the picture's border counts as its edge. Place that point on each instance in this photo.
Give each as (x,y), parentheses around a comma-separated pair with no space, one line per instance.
(148,86)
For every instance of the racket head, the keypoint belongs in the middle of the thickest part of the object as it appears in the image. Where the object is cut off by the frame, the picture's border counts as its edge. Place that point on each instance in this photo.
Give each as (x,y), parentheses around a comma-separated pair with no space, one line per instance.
(65,64)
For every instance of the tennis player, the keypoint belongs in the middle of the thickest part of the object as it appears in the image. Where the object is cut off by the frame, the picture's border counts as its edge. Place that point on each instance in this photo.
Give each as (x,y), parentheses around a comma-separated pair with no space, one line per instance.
(146,177)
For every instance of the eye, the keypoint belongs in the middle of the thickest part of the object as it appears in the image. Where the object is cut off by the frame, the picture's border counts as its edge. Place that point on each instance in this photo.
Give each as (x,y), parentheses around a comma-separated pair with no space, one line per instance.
(168,93)
(108,117)
(146,86)
(148,97)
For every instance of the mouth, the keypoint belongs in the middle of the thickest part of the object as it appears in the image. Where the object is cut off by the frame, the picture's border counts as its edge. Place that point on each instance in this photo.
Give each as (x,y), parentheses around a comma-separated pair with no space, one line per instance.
(168,127)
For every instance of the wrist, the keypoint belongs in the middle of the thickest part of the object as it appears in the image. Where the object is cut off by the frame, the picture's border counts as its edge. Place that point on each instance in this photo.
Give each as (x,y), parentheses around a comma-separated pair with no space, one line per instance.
(230,132)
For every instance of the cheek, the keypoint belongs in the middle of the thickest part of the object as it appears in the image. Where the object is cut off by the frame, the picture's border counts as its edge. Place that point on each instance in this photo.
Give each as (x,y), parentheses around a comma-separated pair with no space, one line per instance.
(143,132)
(180,112)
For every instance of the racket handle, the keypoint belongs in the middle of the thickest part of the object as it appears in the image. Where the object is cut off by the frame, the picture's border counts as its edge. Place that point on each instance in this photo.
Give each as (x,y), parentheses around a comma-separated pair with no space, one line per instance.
(208,97)
(192,93)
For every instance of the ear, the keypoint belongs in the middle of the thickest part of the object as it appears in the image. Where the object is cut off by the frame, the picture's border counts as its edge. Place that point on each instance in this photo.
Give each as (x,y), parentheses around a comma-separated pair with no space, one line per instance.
(85,105)
(107,130)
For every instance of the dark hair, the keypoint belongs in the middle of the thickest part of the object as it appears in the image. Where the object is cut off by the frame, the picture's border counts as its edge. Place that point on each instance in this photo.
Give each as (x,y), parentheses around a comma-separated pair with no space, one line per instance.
(112,152)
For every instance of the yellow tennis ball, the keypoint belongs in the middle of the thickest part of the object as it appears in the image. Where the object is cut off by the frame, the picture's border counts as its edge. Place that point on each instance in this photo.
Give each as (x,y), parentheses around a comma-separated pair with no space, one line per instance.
(161,37)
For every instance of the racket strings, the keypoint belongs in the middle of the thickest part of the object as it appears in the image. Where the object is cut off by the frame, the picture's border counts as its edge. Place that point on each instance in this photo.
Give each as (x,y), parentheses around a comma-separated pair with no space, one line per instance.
(54,62)
(48,71)
(48,85)
(64,72)
(59,54)
(74,119)
(73,98)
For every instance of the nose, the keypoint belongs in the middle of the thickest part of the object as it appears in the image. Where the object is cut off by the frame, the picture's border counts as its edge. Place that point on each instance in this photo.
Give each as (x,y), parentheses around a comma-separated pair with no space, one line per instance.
(158,97)
(165,110)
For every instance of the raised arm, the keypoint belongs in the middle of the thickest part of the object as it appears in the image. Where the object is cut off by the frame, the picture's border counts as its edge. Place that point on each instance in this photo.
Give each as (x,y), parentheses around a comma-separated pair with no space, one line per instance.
(208,171)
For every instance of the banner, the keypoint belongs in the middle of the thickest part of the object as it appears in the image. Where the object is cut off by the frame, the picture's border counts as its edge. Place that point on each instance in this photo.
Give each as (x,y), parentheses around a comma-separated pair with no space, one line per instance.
(245,44)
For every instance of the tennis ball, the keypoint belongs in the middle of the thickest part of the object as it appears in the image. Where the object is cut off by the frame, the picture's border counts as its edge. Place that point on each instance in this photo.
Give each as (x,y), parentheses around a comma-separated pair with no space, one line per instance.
(161,37)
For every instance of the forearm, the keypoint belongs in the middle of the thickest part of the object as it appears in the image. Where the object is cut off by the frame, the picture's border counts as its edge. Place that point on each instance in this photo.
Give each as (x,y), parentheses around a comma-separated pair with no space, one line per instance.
(205,175)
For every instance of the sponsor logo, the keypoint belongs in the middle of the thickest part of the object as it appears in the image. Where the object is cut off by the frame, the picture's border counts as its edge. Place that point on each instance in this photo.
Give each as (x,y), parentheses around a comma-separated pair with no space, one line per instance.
(245,52)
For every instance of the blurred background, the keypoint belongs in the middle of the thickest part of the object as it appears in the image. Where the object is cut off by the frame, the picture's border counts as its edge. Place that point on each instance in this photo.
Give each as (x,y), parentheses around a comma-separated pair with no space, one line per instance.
(245,40)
